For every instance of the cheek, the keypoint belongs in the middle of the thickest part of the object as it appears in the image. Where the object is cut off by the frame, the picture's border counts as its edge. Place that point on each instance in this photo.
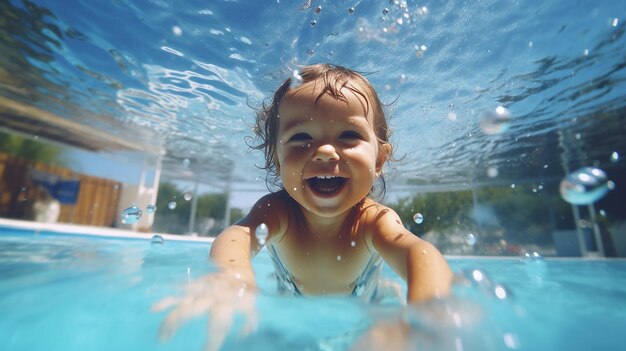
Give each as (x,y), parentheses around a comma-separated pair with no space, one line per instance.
(365,154)
(291,159)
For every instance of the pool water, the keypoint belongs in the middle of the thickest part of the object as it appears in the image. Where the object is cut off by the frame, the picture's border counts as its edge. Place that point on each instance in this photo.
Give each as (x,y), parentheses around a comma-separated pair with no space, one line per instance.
(74,292)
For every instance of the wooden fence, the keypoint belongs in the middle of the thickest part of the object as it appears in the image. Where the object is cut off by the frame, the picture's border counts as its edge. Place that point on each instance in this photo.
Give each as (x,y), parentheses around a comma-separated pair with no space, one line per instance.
(96,203)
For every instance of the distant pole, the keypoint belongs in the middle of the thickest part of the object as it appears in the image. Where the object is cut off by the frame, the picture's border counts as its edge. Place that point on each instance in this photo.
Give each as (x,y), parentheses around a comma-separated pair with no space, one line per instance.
(227,194)
(596,230)
(194,208)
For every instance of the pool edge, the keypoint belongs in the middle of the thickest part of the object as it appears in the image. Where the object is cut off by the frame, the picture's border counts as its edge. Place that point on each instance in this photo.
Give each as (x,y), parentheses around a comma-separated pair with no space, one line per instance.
(74,229)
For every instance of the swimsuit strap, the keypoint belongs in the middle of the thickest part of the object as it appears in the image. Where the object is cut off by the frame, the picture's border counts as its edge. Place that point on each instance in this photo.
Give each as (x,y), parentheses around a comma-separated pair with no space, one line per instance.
(285,279)
(365,286)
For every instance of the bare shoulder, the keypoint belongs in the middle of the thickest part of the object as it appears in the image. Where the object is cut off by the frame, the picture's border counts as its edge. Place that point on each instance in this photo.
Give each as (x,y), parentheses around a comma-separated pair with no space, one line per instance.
(271,210)
(377,216)
(383,225)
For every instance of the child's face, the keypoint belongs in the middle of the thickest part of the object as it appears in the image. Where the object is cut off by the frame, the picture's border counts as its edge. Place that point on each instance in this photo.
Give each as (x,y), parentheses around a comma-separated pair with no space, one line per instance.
(327,154)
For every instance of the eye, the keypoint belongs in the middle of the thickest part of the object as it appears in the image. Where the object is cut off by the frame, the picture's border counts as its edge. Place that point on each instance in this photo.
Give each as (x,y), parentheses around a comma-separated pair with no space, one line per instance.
(350,134)
(300,137)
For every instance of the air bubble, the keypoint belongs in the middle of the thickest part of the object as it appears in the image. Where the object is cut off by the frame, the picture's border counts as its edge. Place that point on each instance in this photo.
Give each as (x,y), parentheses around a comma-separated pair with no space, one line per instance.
(585,186)
(187,195)
(492,172)
(296,79)
(318,10)
(470,239)
(532,257)
(614,157)
(150,209)
(339,258)
(177,31)
(171,205)
(351,10)
(313,23)
(419,50)
(261,233)
(186,163)
(157,241)
(500,292)
(418,218)
(353,243)
(496,121)
(131,215)
(385,11)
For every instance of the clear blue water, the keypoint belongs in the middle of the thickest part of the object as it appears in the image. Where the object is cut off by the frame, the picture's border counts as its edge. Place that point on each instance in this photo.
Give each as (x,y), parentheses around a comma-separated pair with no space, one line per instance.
(177,81)
(180,80)
(69,292)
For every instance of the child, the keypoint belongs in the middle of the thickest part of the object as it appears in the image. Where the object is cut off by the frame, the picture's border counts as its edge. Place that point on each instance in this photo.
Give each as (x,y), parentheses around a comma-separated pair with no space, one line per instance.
(326,141)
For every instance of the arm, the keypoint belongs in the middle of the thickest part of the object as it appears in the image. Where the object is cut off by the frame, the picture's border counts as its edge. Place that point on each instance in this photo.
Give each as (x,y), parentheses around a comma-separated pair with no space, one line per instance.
(418,262)
(234,248)
(231,251)
(232,290)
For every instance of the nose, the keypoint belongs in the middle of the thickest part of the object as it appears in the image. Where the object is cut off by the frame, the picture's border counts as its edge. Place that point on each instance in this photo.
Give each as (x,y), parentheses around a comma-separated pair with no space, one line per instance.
(326,153)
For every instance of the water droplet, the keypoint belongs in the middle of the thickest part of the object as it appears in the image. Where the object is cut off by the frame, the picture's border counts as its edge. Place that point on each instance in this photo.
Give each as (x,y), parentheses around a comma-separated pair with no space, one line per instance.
(511,341)
(150,209)
(313,23)
(353,243)
(157,241)
(614,157)
(418,218)
(470,239)
(186,163)
(171,205)
(261,233)
(496,121)
(500,292)
(339,258)
(351,10)
(532,257)
(419,52)
(131,215)
(296,79)
(187,195)
(585,186)
(475,278)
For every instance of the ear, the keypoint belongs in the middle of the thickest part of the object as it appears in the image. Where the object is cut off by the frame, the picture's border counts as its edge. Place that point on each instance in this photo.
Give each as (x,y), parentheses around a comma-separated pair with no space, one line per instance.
(384,151)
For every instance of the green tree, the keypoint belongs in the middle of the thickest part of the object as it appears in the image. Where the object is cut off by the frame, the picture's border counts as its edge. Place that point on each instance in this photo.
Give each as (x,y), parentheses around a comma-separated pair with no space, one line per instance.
(30,149)
(176,221)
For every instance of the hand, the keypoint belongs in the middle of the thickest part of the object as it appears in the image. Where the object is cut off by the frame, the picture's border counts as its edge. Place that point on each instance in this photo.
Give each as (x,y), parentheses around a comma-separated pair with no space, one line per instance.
(432,325)
(220,295)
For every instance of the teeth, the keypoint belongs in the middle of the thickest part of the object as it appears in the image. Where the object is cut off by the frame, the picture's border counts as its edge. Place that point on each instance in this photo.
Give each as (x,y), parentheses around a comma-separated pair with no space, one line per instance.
(326,177)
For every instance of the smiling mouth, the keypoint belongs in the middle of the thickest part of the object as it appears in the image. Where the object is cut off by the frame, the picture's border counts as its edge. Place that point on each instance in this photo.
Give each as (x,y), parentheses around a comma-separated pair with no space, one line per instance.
(326,185)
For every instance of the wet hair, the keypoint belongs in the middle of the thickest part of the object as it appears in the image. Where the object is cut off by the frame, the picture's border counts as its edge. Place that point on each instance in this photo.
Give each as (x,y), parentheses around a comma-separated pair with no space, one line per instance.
(333,79)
